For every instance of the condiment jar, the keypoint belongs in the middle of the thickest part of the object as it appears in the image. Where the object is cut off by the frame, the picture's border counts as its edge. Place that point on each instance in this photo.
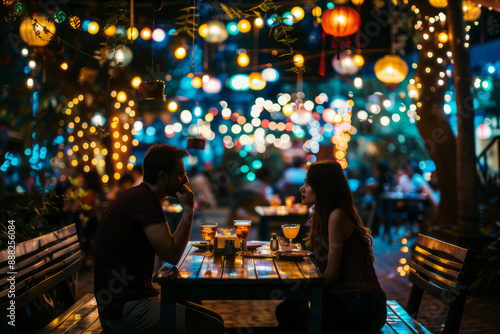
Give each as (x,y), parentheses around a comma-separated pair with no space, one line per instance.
(229,247)
(274,244)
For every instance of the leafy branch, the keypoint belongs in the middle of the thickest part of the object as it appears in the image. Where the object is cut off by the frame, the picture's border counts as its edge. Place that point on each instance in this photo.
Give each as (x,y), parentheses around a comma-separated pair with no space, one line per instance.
(117,16)
(235,12)
(187,21)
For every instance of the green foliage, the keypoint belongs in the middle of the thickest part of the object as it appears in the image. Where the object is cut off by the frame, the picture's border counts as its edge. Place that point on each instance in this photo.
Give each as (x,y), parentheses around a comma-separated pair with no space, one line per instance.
(118,15)
(187,22)
(30,214)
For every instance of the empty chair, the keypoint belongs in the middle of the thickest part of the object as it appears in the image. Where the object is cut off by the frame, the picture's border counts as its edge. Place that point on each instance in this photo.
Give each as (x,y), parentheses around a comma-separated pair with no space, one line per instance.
(442,270)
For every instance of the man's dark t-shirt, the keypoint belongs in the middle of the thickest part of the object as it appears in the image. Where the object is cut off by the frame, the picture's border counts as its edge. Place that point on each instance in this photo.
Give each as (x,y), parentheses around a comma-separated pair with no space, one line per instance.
(124,257)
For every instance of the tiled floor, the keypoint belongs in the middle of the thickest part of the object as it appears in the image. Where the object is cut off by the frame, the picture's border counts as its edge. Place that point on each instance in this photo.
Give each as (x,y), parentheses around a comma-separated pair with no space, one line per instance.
(481,315)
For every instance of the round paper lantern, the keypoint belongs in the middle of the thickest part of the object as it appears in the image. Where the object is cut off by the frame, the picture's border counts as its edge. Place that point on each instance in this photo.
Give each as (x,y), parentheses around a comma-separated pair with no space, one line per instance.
(340,21)
(244,26)
(255,81)
(438,3)
(270,74)
(472,11)
(37,31)
(345,64)
(120,56)
(298,13)
(75,23)
(213,86)
(243,59)
(391,69)
(196,82)
(359,60)
(110,31)
(357,2)
(301,116)
(484,131)
(216,32)
(239,82)
(328,115)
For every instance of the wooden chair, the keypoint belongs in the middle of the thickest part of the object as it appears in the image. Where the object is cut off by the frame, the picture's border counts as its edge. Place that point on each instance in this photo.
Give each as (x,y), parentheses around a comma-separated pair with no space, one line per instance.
(442,270)
(41,286)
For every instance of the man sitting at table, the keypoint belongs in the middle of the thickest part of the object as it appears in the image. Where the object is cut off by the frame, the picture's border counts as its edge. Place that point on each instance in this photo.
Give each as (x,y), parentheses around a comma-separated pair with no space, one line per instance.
(131,232)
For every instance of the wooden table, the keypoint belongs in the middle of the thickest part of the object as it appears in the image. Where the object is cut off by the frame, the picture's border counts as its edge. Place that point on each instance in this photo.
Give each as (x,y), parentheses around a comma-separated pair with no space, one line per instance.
(198,278)
(270,221)
(388,201)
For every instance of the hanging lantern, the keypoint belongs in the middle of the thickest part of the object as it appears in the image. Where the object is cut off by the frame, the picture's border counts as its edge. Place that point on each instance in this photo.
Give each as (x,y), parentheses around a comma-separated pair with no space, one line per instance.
(357,2)
(340,21)
(212,86)
(328,115)
(359,60)
(443,37)
(472,11)
(301,116)
(244,26)
(243,59)
(298,13)
(203,30)
(298,60)
(239,82)
(152,89)
(37,31)
(438,3)
(255,81)
(110,31)
(75,23)
(120,56)
(270,74)
(216,32)
(391,69)
(345,64)
(196,82)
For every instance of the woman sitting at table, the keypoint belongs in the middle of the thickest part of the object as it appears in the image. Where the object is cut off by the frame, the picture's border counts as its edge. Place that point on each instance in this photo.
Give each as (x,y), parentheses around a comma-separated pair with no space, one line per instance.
(353,301)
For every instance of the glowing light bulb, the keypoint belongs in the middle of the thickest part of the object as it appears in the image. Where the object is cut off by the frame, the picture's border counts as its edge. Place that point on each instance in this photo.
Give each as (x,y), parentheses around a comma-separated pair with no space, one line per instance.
(243,59)
(180,53)
(298,59)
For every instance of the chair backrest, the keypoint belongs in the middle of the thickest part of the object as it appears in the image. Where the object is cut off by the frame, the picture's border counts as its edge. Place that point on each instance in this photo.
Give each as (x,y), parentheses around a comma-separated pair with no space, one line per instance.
(442,270)
(37,266)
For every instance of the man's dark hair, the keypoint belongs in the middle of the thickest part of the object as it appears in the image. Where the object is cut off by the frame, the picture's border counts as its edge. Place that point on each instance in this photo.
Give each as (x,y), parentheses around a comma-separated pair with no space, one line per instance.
(161,157)
(138,169)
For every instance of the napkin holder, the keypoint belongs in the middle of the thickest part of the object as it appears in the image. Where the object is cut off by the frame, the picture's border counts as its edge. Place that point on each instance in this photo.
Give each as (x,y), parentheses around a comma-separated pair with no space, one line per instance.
(220,243)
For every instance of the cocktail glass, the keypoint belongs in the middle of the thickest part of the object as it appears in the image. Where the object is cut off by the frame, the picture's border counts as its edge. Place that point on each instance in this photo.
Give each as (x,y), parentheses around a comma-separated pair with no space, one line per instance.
(242,228)
(208,231)
(290,231)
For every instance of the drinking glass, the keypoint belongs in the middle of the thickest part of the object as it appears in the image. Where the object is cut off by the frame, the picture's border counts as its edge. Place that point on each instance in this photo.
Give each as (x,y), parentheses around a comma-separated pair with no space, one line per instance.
(208,231)
(275,201)
(290,231)
(242,228)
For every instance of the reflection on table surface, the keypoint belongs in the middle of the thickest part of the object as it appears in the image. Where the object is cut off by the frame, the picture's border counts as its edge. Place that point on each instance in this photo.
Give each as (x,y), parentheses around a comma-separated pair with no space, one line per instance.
(198,278)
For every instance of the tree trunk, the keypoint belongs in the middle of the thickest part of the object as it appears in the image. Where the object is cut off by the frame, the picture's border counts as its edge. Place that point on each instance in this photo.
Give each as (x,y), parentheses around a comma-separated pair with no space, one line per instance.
(433,124)
(466,153)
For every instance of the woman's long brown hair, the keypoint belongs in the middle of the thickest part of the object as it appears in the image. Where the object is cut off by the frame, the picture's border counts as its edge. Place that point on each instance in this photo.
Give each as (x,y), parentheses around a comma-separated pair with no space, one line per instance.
(330,185)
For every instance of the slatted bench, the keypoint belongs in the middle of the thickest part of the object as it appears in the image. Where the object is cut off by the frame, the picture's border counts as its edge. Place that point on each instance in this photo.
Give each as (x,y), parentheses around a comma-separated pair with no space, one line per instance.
(443,271)
(44,286)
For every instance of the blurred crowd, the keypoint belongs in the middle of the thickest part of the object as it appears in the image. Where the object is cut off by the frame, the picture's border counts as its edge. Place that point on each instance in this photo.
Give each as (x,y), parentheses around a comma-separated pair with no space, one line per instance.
(224,186)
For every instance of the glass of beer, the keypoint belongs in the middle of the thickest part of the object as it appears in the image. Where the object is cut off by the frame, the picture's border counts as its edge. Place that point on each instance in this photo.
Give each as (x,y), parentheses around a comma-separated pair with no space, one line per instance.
(242,228)
(290,231)
(208,231)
